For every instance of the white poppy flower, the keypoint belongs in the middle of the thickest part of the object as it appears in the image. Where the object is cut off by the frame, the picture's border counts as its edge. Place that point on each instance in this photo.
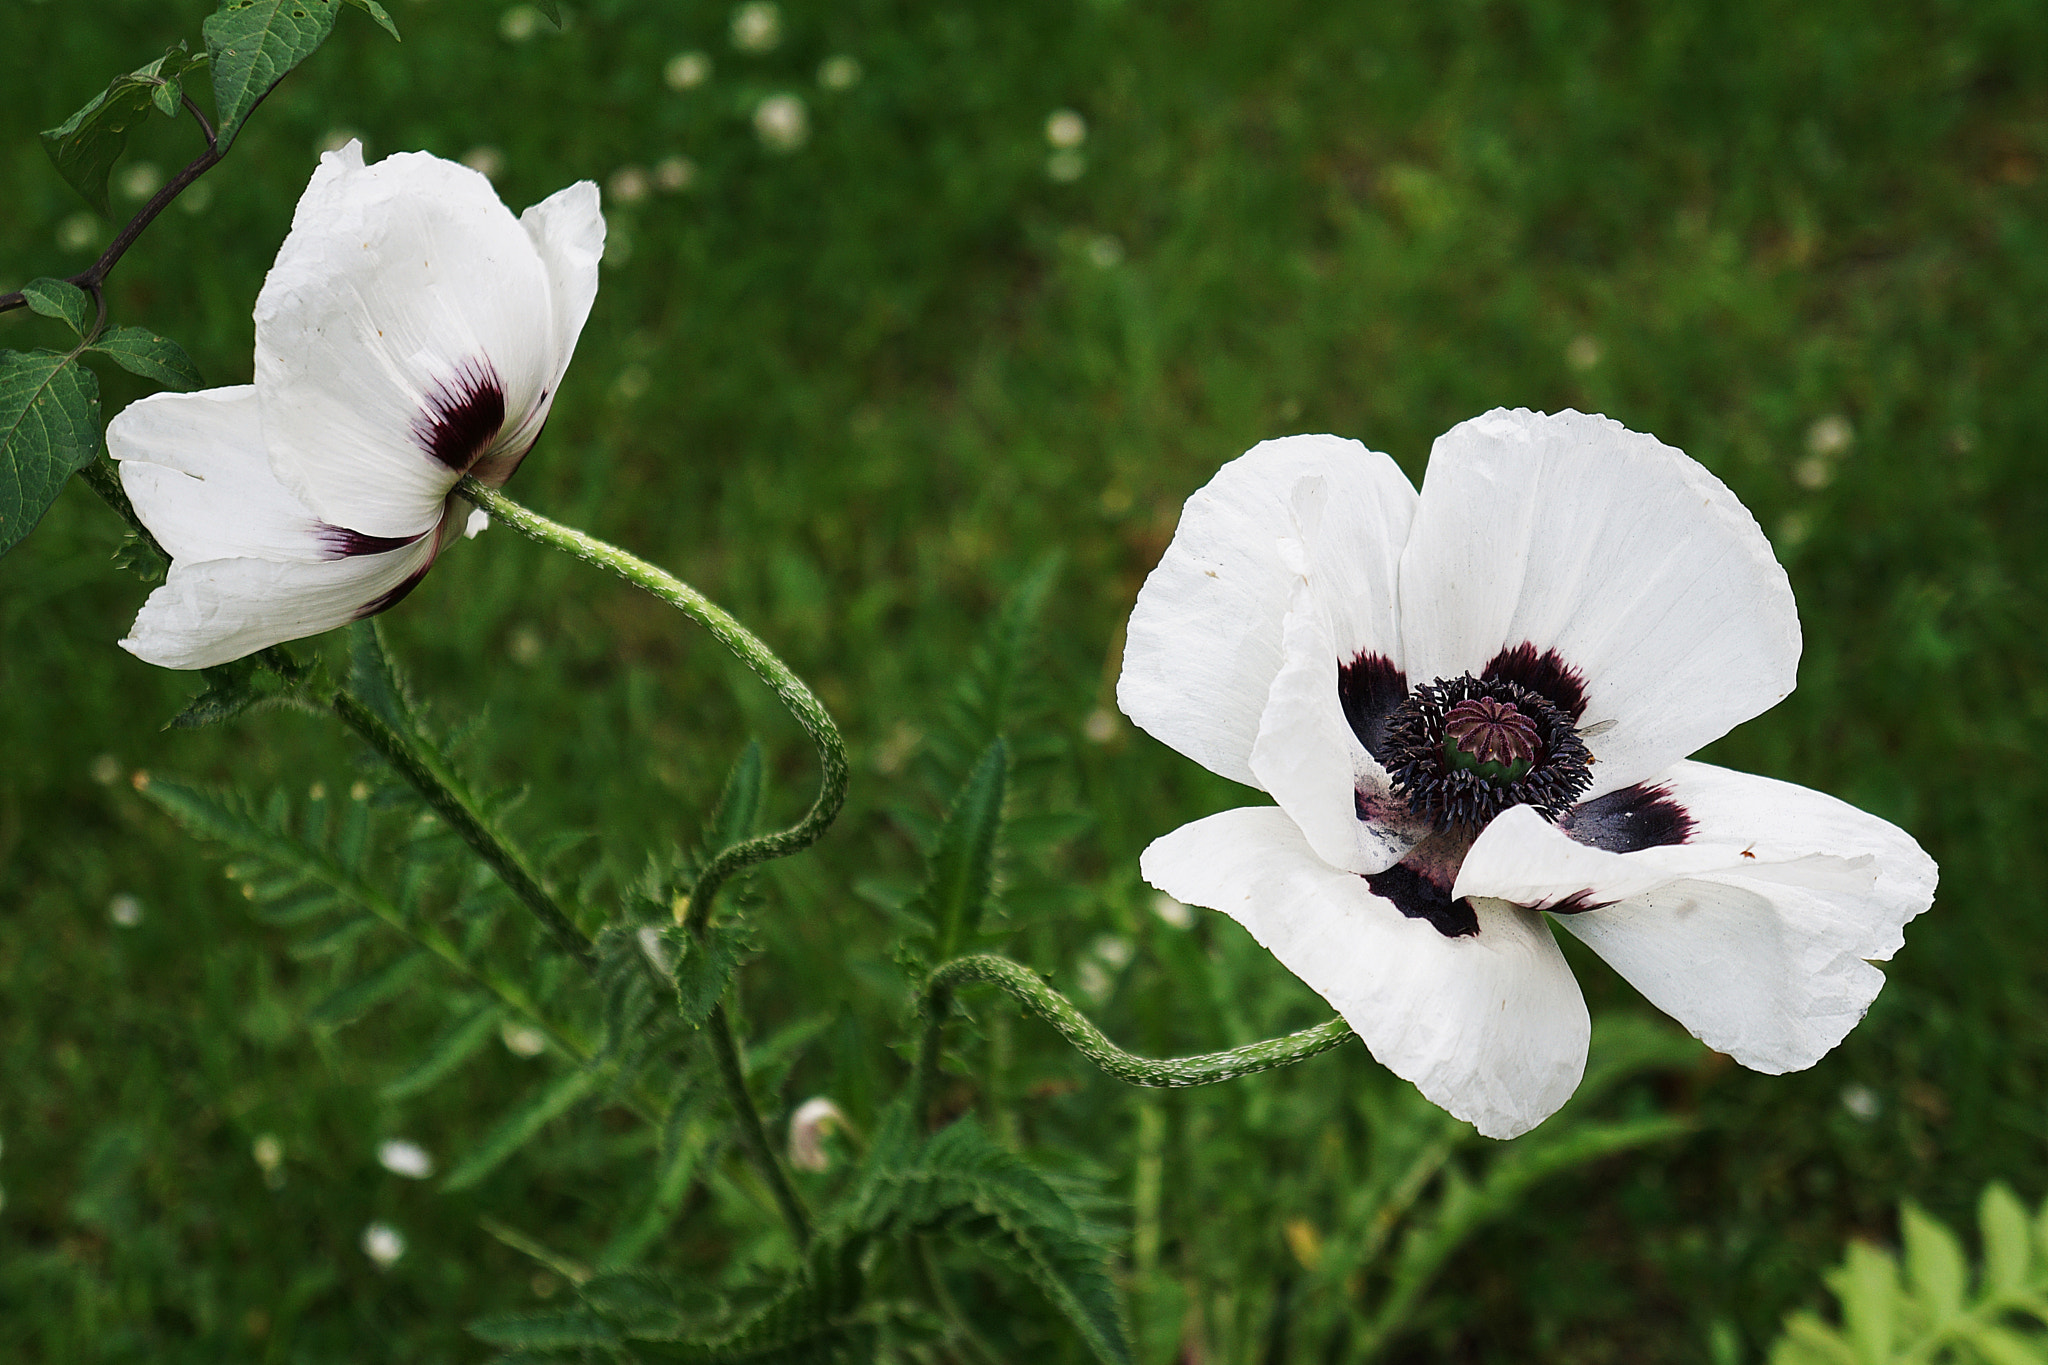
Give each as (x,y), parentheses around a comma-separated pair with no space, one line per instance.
(412,331)
(1474,705)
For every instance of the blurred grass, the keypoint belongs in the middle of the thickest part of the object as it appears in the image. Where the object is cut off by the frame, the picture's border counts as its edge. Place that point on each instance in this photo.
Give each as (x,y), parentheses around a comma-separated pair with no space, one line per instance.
(855,390)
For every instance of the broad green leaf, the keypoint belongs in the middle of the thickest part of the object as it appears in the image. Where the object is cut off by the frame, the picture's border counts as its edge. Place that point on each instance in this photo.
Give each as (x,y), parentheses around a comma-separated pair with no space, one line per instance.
(545,1331)
(85,146)
(352,1001)
(1939,1271)
(168,96)
(456,1045)
(2002,1346)
(141,351)
(378,12)
(963,864)
(1809,1341)
(62,300)
(704,967)
(49,430)
(1868,1285)
(2003,1221)
(520,1127)
(254,44)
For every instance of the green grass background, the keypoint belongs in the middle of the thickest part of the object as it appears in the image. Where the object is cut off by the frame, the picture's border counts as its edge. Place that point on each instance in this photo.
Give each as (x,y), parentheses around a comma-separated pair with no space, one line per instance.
(856,391)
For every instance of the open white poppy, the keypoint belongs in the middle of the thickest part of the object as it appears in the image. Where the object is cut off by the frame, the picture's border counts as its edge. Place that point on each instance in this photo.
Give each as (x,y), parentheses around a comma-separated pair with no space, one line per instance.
(412,331)
(1473,705)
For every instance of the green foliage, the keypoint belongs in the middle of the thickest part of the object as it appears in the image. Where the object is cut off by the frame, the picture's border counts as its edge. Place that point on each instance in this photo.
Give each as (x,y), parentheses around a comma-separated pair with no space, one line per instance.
(380,14)
(62,300)
(961,869)
(234,689)
(1933,1309)
(86,145)
(254,44)
(520,1127)
(49,430)
(141,351)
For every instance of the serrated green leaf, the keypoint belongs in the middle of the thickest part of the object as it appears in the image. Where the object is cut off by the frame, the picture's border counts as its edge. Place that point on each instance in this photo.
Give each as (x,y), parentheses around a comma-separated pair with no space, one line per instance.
(545,1331)
(739,804)
(85,146)
(2003,1221)
(231,689)
(141,351)
(456,1044)
(704,967)
(1935,1264)
(2002,1346)
(351,1002)
(552,10)
(1868,1285)
(377,12)
(1809,1341)
(520,1127)
(168,96)
(963,864)
(254,44)
(49,430)
(62,300)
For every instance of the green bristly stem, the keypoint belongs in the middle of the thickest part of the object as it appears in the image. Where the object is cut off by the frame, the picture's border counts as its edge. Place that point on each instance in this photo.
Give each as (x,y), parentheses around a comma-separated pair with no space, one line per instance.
(808,710)
(444,793)
(1029,990)
(817,722)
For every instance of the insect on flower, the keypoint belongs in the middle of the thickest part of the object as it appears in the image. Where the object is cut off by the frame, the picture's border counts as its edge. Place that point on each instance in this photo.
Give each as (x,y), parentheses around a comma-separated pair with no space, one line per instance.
(1474,706)
(411,331)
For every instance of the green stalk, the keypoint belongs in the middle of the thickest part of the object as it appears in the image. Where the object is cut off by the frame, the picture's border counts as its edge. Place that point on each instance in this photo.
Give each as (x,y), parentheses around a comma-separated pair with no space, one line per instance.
(753,1137)
(802,703)
(1027,989)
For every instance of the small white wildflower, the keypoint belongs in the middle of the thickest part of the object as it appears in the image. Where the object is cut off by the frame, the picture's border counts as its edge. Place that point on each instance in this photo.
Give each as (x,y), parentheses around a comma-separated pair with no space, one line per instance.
(195,198)
(657,951)
(525,646)
(125,910)
(523,1040)
(1115,951)
(628,185)
(402,1157)
(674,174)
(1173,911)
(359,791)
(269,1156)
(782,123)
(1582,352)
(488,162)
(106,770)
(839,72)
(139,180)
(1830,436)
(687,70)
(1813,473)
(383,1244)
(520,22)
(1065,165)
(79,232)
(1862,1102)
(813,1121)
(757,26)
(1065,128)
(1101,725)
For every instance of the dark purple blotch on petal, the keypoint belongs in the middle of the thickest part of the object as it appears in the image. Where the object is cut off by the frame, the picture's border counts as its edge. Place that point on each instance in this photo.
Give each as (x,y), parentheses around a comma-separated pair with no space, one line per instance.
(1629,820)
(387,601)
(463,415)
(1419,896)
(1370,688)
(1578,902)
(343,543)
(1546,674)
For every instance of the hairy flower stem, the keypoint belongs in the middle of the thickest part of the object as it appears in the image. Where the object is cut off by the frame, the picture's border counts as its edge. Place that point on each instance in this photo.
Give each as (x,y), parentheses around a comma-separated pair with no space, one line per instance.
(802,703)
(753,1137)
(444,793)
(1028,990)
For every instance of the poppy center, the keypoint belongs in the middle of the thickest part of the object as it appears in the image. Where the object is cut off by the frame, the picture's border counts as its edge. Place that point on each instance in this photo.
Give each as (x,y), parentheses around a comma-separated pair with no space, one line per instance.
(1490,739)
(1462,750)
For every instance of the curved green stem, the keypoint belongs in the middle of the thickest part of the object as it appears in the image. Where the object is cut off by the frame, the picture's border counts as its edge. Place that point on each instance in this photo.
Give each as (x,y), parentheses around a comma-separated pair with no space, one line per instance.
(443,791)
(1029,990)
(802,703)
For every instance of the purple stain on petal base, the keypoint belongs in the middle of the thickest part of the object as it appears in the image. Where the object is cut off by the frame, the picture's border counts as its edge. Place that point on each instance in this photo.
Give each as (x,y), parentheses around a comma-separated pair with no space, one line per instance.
(387,601)
(344,543)
(463,416)
(1545,674)
(1629,820)
(1418,897)
(1370,688)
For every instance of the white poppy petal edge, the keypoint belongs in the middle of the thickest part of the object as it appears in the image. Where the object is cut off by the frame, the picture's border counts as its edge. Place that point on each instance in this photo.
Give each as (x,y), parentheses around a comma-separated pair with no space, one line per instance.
(1491,1027)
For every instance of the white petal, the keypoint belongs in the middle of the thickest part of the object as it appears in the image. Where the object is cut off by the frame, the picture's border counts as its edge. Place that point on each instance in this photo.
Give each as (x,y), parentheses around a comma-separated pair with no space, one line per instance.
(1490,1026)
(210,611)
(567,229)
(1310,759)
(400,286)
(1628,558)
(1755,934)
(195,468)
(1204,642)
